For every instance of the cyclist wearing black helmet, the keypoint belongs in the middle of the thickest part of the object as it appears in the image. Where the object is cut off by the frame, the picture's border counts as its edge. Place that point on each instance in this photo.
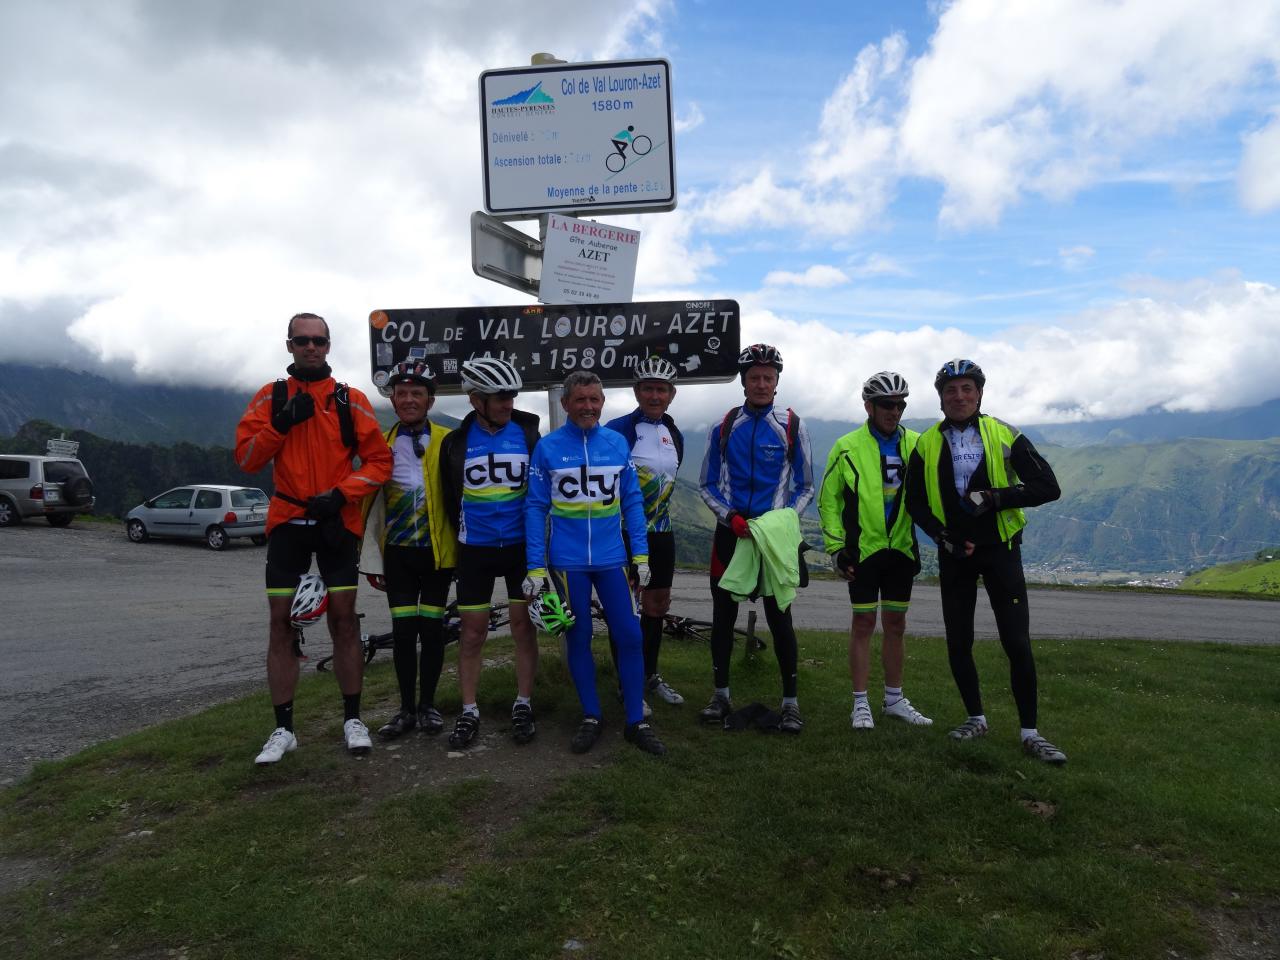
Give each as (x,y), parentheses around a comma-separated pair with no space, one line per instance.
(411,548)
(967,482)
(872,542)
(657,448)
(486,478)
(757,460)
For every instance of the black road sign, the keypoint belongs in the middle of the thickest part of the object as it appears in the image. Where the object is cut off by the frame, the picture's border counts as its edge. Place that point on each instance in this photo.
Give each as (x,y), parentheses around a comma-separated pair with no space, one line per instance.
(547,342)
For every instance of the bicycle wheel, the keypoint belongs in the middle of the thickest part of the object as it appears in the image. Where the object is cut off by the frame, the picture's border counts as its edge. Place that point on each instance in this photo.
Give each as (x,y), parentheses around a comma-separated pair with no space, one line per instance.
(614,162)
(641,145)
(499,616)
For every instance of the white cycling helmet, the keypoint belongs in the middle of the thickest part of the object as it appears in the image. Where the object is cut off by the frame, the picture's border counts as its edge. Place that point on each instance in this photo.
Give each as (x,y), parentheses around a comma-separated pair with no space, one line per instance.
(310,601)
(490,375)
(886,383)
(655,368)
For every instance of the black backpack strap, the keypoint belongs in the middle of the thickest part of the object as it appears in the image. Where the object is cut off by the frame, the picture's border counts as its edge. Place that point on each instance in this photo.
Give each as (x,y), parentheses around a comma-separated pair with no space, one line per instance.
(793,430)
(725,426)
(346,423)
(279,396)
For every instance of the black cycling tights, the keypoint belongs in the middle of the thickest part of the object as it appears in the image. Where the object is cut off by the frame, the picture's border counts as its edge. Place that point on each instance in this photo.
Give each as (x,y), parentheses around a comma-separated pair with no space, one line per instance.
(1000,568)
(417,593)
(725,615)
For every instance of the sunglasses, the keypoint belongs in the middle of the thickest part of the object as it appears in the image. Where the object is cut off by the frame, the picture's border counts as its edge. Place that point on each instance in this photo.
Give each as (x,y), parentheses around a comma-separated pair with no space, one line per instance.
(301,341)
(891,404)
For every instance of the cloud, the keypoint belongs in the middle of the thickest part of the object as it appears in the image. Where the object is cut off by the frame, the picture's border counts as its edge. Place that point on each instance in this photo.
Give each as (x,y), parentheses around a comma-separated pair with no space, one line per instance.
(1073,258)
(1259,176)
(1208,345)
(879,265)
(818,275)
(692,119)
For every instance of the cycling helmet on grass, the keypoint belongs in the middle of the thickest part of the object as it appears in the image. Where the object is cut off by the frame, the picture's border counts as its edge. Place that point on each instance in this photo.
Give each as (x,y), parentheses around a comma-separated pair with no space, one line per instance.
(490,375)
(550,615)
(310,601)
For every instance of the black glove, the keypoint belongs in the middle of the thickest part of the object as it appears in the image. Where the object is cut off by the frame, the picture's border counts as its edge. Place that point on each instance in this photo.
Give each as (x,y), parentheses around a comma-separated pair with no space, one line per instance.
(982,501)
(945,542)
(300,407)
(841,562)
(325,505)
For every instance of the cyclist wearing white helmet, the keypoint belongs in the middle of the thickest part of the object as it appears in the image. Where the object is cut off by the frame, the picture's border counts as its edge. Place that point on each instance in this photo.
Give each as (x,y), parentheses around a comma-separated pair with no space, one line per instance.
(311,429)
(871,539)
(757,461)
(581,485)
(657,449)
(411,548)
(968,479)
(485,465)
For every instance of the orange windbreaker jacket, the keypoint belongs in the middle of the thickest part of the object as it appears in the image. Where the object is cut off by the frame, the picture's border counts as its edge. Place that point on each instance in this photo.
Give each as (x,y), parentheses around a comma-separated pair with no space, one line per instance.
(311,458)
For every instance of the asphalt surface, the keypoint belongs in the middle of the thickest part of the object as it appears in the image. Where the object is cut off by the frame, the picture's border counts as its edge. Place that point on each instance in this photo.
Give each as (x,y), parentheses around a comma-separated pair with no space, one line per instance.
(100,636)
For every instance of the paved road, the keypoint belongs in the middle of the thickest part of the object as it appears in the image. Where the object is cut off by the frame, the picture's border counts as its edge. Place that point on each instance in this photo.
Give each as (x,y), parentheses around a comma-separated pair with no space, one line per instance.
(100,636)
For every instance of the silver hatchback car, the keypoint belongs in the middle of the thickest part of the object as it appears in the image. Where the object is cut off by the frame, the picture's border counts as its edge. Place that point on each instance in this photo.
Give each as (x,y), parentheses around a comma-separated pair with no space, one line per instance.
(212,512)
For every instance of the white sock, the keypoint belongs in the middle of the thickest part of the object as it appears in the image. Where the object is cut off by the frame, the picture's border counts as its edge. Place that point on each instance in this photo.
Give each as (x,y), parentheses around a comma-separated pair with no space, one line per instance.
(524,700)
(472,709)
(892,695)
(723,691)
(981,718)
(793,701)
(1029,732)
(859,695)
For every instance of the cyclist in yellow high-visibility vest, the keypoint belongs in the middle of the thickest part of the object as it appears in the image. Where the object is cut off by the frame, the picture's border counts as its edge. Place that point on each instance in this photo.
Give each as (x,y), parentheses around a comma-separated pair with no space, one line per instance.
(869,534)
(967,482)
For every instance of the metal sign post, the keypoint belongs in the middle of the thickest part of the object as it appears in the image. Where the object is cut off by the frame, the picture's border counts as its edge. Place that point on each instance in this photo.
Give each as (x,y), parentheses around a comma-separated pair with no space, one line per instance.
(546,343)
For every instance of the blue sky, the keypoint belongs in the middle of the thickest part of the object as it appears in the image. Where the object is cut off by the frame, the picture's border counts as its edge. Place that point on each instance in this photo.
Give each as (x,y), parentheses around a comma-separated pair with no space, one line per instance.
(1083,195)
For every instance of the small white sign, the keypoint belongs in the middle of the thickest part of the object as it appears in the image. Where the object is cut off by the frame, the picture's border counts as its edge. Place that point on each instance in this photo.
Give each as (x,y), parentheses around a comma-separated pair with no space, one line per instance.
(584,261)
(62,448)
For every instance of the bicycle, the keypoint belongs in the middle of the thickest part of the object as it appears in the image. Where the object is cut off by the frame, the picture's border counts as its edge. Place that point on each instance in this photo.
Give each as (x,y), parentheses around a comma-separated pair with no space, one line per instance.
(617,162)
(688,628)
(371,643)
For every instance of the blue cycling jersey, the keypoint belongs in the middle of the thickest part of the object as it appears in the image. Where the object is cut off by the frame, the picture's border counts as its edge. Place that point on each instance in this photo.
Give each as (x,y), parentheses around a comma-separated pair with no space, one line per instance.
(581,483)
(755,476)
(495,476)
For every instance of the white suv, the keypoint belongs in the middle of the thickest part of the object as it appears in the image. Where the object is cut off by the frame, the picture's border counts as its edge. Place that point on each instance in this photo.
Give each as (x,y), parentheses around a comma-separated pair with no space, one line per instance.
(56,488)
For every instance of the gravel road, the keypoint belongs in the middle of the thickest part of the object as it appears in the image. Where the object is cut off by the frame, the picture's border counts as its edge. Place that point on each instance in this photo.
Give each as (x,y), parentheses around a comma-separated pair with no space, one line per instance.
(100,636)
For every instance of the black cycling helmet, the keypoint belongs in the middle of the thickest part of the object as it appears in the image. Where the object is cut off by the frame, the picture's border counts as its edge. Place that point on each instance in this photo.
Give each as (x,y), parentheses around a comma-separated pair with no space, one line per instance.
(955,370)
(759,355)
(412,371)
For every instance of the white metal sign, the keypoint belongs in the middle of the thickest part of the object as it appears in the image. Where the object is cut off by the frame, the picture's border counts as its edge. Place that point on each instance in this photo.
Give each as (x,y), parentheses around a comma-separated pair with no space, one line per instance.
(578,136)
(587,262)
(505,255)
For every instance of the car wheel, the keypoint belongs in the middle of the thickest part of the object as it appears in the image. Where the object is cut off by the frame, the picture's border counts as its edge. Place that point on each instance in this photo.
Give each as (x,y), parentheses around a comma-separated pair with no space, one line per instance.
(216,538)
(258,541)
(59,519)
(9,515)
(137,530)
(78,492)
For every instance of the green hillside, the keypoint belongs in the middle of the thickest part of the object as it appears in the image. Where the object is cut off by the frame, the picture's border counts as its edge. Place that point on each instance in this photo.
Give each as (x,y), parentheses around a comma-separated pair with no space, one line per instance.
(1259,575)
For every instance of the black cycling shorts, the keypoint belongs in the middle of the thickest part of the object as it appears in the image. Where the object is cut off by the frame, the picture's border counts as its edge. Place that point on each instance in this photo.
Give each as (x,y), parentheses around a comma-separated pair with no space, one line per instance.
(662,560)
(886,576)
(290,547)
(414,586)
(478,567)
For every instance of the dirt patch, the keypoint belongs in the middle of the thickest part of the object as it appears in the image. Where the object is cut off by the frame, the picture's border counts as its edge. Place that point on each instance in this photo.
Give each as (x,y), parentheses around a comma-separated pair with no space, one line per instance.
(1240,931)
(19,872)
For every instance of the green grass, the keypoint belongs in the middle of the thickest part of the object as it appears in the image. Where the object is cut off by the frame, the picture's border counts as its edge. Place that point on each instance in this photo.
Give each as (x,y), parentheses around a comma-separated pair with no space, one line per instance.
(1252,577)
(897,843)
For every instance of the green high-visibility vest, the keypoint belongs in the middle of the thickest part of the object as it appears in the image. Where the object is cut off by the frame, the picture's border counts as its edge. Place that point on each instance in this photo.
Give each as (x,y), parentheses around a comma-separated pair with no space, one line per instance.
(854,464)
(997,447)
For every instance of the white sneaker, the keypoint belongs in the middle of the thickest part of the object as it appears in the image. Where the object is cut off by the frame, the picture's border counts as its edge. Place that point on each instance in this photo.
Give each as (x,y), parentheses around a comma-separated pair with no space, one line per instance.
(280,742)
(646,709)
(861,716)
(905,712)
(357,736)
(664,690)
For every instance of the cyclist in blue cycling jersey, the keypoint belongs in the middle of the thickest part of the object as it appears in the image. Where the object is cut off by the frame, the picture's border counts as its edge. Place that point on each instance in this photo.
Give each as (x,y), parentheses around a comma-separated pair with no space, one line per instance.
(581,484)
(657,447)
(757,461)
(486,468)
